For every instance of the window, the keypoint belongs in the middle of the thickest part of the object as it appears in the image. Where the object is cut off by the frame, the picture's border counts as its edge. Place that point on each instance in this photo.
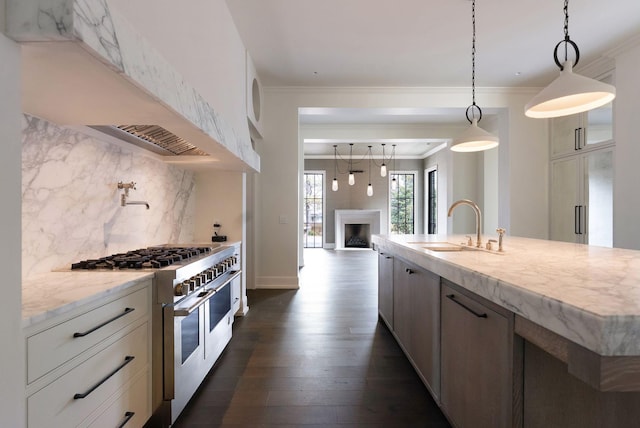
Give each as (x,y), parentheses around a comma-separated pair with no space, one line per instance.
(402,202)
(313,209)
(432,201)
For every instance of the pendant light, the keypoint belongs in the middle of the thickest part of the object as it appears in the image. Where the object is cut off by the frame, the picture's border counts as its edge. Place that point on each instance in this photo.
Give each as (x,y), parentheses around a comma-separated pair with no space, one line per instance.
(352,178)
(394,182)
(370,187)
(383,167)
(334,185)
(569,93)
(474,138)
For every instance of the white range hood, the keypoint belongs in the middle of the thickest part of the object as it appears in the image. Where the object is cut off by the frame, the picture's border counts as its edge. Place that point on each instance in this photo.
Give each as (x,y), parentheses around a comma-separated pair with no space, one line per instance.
(83,64)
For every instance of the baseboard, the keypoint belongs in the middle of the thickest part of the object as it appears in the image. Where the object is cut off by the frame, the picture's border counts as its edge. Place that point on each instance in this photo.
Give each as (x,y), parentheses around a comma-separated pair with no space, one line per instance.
(277,282)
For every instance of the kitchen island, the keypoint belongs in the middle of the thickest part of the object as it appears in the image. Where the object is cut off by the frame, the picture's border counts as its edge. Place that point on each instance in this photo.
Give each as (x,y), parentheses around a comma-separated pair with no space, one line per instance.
(567,332)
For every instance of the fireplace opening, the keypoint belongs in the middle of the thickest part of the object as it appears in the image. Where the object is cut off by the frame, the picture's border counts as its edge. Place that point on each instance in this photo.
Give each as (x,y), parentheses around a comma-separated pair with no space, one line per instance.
(357,235)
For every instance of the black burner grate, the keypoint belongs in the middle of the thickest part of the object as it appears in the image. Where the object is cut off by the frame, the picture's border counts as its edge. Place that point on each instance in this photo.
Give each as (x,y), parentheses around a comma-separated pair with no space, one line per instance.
(145,258)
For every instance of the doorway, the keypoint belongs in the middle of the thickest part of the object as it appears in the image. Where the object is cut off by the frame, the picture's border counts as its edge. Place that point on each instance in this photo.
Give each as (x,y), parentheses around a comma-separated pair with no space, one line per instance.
(313,233)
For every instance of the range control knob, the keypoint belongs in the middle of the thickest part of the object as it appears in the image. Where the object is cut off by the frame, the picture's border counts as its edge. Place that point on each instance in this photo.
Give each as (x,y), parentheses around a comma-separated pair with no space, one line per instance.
(181,289)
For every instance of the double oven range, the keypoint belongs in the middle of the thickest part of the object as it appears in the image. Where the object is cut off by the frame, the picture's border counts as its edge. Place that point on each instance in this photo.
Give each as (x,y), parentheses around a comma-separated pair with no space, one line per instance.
(192,316)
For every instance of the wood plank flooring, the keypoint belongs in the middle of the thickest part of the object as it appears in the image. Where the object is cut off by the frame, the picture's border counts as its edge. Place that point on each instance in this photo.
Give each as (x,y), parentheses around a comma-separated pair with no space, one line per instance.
(314,357)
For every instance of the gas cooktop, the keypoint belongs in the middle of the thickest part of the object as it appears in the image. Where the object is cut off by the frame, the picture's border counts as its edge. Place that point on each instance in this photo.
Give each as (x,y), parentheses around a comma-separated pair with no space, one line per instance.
(145,258)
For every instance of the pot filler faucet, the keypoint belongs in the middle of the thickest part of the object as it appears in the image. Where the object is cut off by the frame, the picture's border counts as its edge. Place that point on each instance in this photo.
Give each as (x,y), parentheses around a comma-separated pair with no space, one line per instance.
(476,209)
(125,195)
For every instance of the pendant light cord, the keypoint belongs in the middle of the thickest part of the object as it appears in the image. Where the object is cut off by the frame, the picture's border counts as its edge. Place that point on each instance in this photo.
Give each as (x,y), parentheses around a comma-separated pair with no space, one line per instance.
(473,53)
(473,107)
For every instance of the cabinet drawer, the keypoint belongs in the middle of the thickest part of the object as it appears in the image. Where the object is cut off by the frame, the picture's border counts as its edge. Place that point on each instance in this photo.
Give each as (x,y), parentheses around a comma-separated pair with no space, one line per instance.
(56,406)
(51,348)
(129,410)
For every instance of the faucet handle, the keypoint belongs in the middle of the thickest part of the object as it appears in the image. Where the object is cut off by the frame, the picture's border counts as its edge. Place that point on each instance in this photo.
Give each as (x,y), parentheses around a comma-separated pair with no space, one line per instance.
(500,232)
(489,243)
(469,241)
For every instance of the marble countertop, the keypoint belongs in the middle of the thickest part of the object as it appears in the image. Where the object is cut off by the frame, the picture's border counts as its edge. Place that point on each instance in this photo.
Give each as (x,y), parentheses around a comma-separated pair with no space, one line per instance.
(51,294)
(589,295)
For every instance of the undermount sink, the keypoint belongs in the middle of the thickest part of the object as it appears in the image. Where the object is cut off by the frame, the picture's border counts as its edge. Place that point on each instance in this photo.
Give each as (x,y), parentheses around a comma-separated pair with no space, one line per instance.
(444,246)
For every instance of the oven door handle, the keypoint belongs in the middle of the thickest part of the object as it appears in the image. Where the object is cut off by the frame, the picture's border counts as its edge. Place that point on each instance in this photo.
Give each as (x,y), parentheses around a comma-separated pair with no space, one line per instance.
(183,312)
(205,295)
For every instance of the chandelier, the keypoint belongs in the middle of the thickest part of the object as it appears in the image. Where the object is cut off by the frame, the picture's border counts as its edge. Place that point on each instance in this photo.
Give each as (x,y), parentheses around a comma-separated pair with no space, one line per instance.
(351,165)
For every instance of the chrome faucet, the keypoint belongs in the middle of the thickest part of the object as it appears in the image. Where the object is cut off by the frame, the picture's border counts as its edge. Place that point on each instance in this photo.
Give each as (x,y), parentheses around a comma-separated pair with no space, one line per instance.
(476,209)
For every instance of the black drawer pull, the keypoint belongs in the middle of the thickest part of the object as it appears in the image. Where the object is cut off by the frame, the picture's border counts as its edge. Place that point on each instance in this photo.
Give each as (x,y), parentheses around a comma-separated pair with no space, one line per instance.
(127,360)
(127,418)
(409,271)
(453,298)
(126,311)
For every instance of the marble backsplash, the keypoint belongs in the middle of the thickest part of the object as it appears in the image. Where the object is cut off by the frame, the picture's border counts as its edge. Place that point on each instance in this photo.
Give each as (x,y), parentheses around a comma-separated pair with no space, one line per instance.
(71,204)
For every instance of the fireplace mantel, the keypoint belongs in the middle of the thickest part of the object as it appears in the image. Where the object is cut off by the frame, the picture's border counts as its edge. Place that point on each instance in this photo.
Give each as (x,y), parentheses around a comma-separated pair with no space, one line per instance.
(342,217)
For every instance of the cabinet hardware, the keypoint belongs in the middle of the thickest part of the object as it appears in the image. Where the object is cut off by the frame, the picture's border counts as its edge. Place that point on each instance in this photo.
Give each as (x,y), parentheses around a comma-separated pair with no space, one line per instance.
(577,220)
(127,418)
(126,311)
(453,299)
(577,138)
(127,360)
(409,271)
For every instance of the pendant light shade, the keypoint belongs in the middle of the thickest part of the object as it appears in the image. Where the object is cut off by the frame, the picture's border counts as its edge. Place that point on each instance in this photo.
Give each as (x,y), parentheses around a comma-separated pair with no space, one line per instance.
(383,170)
(334,185)
(474,139)
(569,93)
(352,178)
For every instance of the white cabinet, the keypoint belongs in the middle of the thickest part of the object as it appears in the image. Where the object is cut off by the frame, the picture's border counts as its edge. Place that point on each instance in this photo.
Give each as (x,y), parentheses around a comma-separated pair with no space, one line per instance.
(583,131)
(581,177)
(582,198)
(91,366)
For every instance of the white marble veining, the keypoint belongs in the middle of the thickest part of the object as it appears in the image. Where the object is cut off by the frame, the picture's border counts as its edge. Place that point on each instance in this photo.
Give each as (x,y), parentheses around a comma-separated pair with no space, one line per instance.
(589,295)
(71,204)
(114,41)
(55,293)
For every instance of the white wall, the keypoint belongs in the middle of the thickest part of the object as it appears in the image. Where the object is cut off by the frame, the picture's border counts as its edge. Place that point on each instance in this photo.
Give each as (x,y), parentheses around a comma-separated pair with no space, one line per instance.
(524,139)
(202,43)
(12,355)
(219,199)
(626,200)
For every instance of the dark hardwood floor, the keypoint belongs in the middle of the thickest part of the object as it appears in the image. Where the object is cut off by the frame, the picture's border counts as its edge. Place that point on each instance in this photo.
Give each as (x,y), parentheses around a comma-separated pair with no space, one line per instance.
(314,357)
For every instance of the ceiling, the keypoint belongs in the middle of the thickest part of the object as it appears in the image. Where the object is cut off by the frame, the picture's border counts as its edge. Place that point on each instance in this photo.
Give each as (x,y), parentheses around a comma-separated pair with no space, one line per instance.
(420,43)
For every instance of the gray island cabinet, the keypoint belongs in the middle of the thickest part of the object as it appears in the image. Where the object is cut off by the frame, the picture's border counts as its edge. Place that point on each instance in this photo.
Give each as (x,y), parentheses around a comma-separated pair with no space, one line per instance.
(546,334)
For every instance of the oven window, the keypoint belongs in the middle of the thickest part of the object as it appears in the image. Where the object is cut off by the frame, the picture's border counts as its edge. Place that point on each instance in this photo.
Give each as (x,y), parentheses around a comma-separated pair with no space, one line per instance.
(219,305)
(190,333)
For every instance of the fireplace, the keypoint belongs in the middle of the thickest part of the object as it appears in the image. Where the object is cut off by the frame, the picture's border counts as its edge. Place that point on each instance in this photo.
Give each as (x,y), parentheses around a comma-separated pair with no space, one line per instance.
(357,226)
(357,235)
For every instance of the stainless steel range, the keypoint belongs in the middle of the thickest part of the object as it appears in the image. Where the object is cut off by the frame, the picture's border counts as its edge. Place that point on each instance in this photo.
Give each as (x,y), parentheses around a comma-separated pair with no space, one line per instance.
(192,316)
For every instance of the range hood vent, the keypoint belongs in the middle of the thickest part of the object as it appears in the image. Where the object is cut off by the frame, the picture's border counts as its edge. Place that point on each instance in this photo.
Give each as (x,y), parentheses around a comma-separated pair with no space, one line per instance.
(154,138)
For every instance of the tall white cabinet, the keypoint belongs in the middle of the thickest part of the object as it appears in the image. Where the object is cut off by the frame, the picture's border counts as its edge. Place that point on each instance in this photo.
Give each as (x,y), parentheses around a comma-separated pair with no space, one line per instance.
(581,179)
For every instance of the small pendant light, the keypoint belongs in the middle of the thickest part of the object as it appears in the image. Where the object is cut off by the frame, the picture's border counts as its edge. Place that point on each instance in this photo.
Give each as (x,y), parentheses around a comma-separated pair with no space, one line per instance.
(474,138)
(383,167)
(569,93)
(334,185)
(394,182)
(352,178)
(370,187)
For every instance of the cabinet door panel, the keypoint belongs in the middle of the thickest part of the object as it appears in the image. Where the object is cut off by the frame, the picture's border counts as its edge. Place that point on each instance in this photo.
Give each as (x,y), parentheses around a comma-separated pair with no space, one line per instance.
(385,287)
(599,189)
(402,303)
(564,133)
(476,365)
(425,326)
(565,196)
